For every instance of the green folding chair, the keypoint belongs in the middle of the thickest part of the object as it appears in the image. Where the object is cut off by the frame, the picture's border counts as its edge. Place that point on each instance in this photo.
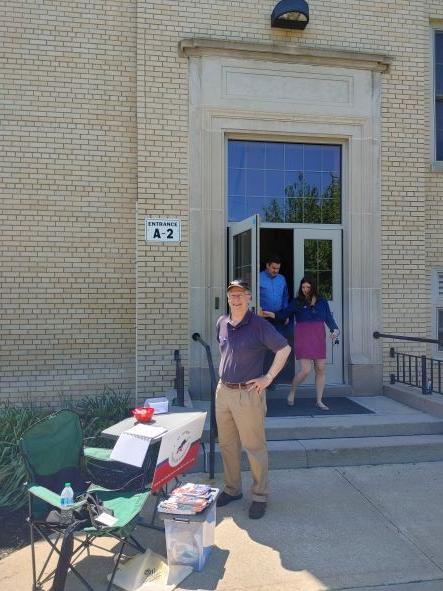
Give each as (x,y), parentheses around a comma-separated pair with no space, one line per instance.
(53,452)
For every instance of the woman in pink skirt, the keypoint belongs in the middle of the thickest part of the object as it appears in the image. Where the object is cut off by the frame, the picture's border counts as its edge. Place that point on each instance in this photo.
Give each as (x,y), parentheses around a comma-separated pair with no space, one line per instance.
(311,313)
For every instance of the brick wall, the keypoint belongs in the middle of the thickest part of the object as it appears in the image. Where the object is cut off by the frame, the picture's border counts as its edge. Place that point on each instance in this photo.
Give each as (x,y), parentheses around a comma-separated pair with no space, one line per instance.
(67,214)
(97,113)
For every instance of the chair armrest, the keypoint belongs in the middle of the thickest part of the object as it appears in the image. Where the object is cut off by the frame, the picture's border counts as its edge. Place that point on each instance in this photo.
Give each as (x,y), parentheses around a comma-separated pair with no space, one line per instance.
(50,497)
(97,453)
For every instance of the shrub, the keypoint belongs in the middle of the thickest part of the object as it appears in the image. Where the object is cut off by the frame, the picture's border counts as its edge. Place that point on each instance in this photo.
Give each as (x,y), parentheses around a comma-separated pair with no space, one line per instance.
(13,423)
(96,413)
(101,411)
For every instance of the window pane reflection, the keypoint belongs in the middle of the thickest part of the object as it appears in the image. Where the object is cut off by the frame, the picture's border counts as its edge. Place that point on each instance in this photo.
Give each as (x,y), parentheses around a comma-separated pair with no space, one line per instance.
(440,328)
(312,157)
(255,155)
(243,256)
(284,182)
(318,264)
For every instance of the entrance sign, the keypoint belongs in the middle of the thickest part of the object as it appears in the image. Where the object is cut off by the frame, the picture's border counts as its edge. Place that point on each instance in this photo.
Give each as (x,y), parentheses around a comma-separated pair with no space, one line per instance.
(162,230)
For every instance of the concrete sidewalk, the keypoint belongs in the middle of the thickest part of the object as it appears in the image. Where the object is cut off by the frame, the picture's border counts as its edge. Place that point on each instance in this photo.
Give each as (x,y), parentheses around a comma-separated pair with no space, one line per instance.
(365,528)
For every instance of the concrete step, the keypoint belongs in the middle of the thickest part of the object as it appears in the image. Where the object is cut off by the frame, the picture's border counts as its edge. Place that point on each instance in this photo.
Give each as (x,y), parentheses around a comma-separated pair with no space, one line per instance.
(394,433)
(349,452)
(305,428)
(389,418)
(336,427)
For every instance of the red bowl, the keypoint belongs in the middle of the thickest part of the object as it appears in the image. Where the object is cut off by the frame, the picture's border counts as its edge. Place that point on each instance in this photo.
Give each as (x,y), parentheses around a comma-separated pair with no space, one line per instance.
(142,414)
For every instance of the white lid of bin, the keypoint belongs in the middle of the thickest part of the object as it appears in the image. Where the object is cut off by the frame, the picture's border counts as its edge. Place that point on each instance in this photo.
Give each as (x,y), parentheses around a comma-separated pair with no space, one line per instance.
(159,404)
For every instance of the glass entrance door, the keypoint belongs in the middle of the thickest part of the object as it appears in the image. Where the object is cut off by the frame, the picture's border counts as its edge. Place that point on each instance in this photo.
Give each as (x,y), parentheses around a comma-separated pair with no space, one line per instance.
(244,259)
(318,253)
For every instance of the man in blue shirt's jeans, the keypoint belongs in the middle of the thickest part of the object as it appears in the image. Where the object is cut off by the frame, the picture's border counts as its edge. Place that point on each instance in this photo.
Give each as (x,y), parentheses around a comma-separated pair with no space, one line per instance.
(273,288)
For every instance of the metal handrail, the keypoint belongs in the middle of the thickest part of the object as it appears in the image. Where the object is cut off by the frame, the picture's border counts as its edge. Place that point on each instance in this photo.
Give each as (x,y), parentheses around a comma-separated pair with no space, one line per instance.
(412,366)
(196,337)
(381,335)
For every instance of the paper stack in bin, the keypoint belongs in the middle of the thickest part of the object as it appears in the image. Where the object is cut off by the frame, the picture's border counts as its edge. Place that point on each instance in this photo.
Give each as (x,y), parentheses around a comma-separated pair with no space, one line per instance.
(188,499)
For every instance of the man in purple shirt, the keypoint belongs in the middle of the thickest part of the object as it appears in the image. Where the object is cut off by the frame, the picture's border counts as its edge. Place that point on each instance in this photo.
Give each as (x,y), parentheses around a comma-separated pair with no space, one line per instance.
(240,406)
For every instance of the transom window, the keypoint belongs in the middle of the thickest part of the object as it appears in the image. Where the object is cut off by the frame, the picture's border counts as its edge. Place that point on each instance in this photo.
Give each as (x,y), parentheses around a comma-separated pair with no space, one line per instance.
(438,52)
(284,182)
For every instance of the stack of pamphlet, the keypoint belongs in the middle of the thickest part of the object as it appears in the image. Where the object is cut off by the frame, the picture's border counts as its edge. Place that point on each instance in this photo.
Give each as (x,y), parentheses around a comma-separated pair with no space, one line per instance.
(188,499)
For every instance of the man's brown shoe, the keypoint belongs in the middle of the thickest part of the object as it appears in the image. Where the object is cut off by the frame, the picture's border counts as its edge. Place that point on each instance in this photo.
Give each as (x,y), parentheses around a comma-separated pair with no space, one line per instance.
(257,510)
(225,499)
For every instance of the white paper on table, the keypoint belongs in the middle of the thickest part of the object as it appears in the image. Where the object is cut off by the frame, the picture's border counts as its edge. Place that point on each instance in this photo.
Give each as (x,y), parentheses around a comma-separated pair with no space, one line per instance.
(142,430)
(130,449)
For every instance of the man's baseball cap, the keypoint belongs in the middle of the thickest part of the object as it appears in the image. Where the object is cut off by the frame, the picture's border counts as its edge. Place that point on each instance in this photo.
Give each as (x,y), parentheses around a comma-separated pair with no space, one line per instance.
(238,283)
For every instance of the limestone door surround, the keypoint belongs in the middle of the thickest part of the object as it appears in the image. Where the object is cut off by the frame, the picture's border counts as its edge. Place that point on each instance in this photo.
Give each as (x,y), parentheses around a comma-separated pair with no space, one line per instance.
(248,91)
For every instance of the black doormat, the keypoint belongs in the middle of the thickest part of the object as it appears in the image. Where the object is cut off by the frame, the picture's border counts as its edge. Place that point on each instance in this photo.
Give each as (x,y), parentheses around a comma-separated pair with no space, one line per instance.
(305,407)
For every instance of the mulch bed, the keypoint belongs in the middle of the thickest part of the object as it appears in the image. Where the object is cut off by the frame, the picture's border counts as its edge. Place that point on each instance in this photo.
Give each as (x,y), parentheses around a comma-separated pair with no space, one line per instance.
(14,530)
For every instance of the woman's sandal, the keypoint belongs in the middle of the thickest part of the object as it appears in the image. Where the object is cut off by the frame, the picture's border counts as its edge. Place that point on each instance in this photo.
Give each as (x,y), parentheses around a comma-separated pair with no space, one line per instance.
(321,406)
(290,401)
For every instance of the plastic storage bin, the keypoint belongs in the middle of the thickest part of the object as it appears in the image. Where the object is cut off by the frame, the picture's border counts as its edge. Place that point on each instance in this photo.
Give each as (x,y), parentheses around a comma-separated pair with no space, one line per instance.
(189,538)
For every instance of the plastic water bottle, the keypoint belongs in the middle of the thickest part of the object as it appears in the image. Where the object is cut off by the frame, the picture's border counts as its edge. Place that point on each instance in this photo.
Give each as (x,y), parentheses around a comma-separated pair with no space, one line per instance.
(66,502)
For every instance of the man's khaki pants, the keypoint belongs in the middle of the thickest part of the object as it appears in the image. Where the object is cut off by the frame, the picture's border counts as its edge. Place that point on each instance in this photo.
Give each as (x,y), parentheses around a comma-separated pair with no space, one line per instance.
(241,423)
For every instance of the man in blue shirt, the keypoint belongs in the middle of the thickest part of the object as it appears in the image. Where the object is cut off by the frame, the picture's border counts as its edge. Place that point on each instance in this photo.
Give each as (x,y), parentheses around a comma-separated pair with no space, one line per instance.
(273,288)
(273,298)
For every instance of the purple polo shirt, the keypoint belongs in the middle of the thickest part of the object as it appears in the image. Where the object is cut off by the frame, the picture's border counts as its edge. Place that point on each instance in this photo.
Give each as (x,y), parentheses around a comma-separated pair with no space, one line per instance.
(243,347)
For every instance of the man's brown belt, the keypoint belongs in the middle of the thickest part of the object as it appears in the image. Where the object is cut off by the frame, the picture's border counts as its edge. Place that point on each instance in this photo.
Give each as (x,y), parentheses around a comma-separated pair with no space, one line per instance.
(241,386)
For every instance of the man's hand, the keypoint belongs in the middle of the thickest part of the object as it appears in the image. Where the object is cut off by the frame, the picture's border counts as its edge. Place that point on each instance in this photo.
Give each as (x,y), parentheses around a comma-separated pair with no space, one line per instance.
(267,314)
(259,384)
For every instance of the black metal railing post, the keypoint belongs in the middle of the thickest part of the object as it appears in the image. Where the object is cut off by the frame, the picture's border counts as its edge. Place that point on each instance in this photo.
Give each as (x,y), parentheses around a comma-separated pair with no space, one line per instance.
(179,378)
(424,378)
(212,426)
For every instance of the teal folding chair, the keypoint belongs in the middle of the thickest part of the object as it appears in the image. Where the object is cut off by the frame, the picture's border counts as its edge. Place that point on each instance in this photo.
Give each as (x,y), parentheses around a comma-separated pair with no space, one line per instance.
(53,453)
